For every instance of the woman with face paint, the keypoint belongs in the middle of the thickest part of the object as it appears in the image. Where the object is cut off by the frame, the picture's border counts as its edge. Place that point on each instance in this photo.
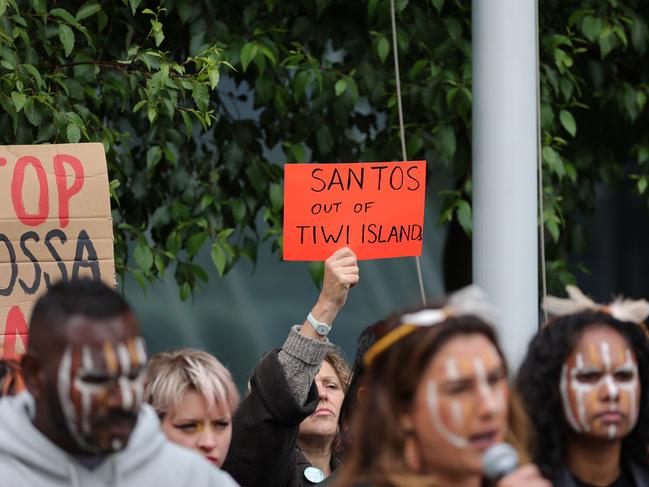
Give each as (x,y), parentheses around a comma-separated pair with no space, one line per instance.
(435,399)
(195,398)
(584,382)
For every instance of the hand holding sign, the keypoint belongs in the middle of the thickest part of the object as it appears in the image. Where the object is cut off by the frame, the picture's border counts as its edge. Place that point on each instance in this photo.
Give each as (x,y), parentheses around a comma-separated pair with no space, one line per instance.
(340,274)
(376,209)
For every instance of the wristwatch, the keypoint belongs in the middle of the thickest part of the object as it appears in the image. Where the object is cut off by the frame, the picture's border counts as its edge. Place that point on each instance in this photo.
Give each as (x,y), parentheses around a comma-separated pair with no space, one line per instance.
(320,328)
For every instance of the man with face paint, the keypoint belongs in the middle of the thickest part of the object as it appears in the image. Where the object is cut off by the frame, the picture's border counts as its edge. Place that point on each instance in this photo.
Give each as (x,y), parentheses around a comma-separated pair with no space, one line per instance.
(82,421)
(582,383)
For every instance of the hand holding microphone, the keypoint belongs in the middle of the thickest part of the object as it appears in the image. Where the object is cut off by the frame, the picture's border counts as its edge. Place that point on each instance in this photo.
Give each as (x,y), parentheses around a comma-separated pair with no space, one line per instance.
(500,465)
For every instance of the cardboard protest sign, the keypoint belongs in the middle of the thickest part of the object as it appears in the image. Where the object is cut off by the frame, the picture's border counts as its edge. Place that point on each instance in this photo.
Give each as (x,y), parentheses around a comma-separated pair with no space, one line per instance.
(55,224)
(375,208)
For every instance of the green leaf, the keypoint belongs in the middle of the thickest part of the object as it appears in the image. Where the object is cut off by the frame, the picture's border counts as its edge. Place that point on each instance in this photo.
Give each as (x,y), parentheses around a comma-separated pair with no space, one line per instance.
(400,5)
(189,125)
(592,27)
(213,74)
(153,157)
(643,154)
(33,72)
(300,82)
(3,7)
(158,36)
(67,38)
(641,99)
(143,256)
(134,5)
(414,144)
(568,122)
(248,53)
(61,13)
(139,105)
(195,243)
(438,4)
(185,291)
(73,132)
(606,41)
(219,259)
(445,141)
(88,9)
(276,196)
(383,48)
(642,185)
(269,54)
(340,87)
(464,217)
(19,100)
(324,139)
(201,96)
(552,158)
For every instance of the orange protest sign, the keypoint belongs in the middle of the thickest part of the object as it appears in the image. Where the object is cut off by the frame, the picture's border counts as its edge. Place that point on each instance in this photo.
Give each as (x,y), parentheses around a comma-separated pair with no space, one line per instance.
(375,208)
(55,224)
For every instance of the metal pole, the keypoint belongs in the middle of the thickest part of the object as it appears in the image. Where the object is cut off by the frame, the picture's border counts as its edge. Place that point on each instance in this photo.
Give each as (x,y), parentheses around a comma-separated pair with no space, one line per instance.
(505,251)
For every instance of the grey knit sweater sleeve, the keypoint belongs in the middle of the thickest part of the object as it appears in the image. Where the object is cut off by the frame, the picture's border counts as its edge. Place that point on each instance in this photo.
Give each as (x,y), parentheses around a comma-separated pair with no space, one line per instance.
(301,358)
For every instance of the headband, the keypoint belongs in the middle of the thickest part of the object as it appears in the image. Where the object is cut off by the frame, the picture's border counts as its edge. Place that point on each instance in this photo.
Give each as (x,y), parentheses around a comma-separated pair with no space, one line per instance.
(635,311)
(470,300)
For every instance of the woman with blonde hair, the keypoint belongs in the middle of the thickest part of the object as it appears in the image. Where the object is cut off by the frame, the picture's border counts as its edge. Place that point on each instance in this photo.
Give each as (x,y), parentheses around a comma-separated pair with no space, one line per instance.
(195,398)
(435,398)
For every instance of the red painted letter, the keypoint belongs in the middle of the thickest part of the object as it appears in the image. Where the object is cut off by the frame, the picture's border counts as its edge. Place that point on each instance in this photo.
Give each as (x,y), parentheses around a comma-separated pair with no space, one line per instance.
(16,325)
(65,193)
(17,192)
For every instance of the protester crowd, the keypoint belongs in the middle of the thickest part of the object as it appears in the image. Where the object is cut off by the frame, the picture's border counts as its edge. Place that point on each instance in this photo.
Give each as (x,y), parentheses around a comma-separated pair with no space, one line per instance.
(430,400)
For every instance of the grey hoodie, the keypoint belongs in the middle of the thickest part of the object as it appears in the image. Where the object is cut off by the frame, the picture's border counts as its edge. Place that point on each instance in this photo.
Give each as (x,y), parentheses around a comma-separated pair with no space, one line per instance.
(29,459)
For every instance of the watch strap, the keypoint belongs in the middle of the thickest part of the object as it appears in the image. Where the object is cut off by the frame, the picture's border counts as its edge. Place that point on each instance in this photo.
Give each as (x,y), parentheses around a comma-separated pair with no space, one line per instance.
(320,328)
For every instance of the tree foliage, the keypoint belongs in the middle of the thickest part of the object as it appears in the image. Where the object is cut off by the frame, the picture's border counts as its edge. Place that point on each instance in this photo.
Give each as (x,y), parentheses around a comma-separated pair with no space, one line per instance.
(190,170)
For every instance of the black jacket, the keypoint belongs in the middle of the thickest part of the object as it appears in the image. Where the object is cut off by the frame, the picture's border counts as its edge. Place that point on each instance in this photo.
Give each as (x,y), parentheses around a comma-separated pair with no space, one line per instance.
(639,473)
(263,452)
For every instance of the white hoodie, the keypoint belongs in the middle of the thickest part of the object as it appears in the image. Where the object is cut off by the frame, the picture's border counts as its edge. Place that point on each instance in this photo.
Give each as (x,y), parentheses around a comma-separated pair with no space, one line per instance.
(29,459)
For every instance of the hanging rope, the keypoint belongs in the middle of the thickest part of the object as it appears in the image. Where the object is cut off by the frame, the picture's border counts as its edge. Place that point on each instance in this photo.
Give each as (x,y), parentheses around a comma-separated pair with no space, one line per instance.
(539,157)
(402,129)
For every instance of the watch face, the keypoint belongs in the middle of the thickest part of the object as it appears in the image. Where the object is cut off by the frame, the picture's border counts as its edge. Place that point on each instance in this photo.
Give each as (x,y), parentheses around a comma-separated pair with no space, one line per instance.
(322,330)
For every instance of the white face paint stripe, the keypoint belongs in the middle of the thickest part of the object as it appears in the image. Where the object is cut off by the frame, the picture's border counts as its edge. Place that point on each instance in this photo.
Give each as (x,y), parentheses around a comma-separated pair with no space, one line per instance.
(580,391)
(127,393)
(611,387)
(124,358)
(630,387)
(612,429)
(495,403)
(456,412)
(567,409)
(64,389)
(606,355)
(140,350)
(452,371)
(455,440)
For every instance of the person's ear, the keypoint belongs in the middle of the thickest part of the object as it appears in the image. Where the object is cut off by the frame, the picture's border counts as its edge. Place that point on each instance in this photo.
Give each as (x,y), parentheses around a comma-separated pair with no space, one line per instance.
(411,453)
(360,392)
(33,374)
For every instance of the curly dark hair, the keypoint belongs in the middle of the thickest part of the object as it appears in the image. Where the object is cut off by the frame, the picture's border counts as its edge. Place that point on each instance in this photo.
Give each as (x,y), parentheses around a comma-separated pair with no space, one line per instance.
(539,378)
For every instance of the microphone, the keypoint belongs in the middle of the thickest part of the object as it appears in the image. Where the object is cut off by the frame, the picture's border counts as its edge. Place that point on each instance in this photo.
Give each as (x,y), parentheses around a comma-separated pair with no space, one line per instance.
(499,460)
